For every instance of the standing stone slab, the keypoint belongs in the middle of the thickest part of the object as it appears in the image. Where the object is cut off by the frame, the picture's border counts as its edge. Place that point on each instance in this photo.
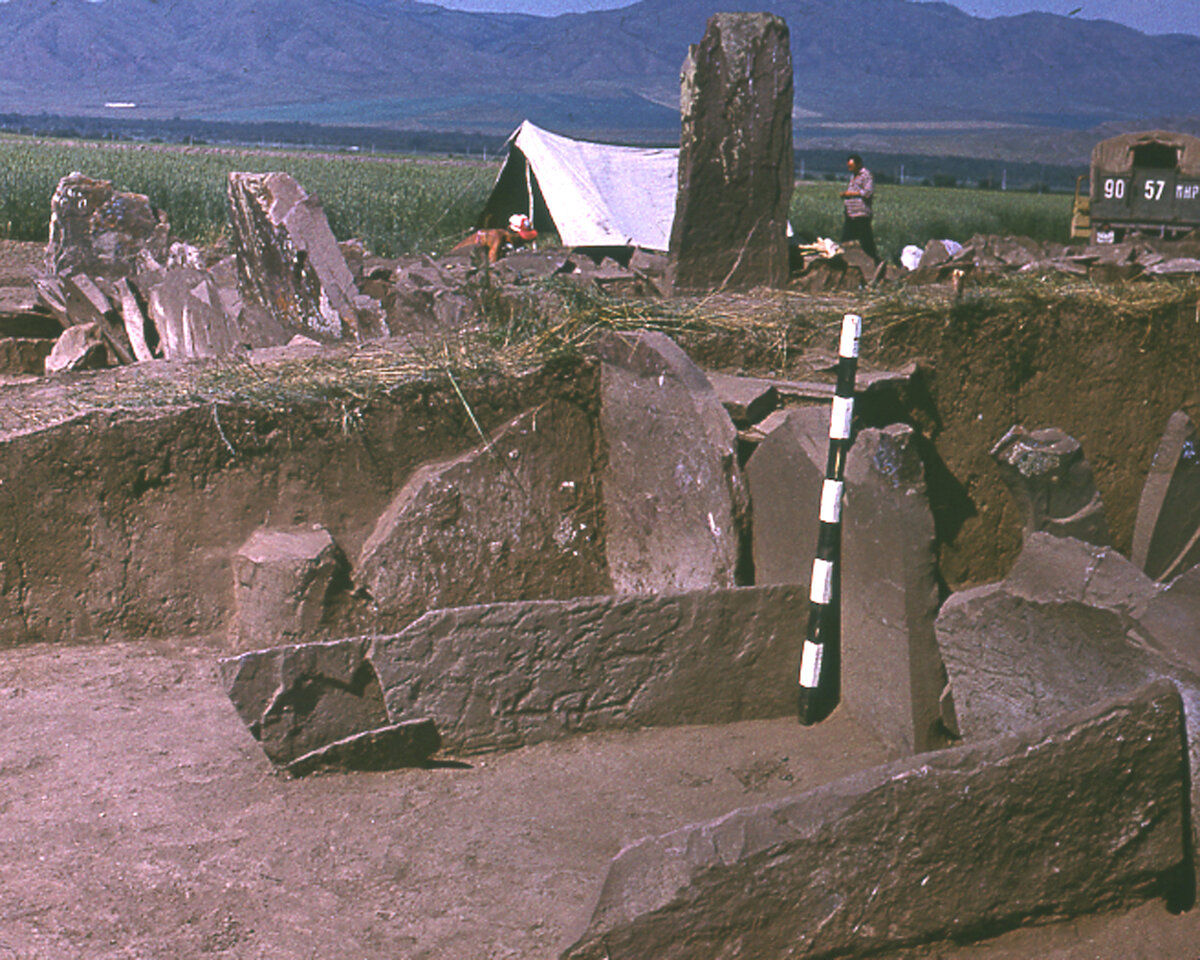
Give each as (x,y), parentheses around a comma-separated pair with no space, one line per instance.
(1072,817)
(892,674)
(1166,533)
(1052,483)
(509,674)
(281,583)
(516,519)
(674,501)
(297,699)
(735,156)
(290,264)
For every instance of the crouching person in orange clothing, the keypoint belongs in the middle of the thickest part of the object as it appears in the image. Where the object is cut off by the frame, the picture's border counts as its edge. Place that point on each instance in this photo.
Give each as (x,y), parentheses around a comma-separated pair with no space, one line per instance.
(498,240)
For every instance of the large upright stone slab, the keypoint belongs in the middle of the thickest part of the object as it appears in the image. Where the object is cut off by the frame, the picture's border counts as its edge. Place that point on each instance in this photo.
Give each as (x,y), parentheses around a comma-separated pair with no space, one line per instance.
(892,673)
(517,518)
(97,230)
(510,674)
(290,263)
(674,501)
(1166,533)
(1083,814)
(1052,483)
(735,157)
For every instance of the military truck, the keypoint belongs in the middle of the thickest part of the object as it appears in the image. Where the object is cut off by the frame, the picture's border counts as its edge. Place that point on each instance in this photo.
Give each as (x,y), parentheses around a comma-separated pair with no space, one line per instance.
(1141,184)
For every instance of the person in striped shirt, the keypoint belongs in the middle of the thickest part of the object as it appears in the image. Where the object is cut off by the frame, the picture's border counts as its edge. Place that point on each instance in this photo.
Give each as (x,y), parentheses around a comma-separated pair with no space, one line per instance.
(857,198)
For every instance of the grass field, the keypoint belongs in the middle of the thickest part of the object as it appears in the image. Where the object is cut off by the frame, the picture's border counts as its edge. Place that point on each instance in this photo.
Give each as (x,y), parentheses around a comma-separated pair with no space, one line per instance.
(399,205)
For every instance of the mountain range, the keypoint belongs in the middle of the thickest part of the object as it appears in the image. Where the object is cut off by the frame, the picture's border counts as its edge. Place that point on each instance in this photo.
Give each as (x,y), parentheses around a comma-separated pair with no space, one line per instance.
(911,70)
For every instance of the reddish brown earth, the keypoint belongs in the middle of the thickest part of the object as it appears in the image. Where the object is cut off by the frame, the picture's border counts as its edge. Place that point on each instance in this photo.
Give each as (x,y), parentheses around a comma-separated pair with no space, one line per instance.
(138,818)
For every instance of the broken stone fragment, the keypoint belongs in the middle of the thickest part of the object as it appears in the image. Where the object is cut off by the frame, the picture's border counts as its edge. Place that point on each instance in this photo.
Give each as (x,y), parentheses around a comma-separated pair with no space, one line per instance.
(1052,484)
(735,157)
(408,744)
(80,347)
(674,499)
(517,518)
(1166,533)
(291,265)
(746,399)
(1064,818)
(282,580)
(298,699)
(99,231)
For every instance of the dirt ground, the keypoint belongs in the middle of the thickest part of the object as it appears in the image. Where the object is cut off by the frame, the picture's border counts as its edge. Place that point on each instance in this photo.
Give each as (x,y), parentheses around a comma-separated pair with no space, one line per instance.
(138,818)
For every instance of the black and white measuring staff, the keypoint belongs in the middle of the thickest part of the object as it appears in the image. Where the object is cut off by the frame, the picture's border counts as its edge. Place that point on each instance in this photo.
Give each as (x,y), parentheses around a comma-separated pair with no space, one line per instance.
(820,662)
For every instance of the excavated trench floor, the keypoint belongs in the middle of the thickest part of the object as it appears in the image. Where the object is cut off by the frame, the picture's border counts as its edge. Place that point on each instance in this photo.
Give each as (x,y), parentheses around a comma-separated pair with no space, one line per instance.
(139,818)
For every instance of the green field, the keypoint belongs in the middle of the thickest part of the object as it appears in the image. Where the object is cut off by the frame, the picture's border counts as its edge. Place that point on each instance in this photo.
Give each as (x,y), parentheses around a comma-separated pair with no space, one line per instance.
(399,205)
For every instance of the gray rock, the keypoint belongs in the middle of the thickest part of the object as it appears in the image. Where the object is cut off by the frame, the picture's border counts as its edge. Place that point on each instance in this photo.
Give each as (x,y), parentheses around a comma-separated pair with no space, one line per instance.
(735,156)
(892,676)
(1052,483)
(290,264)
(516,519)
(504,675)
(282,580)
(97,230)
(747,400)
(80,347)
(133,316)
(408,744)
(1166,533)
(674,501)
(1079,815)
(1170,621)
(300,698)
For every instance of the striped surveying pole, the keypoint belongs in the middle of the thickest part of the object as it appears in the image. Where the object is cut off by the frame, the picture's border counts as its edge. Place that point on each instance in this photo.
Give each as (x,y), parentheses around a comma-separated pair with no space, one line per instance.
(821,661)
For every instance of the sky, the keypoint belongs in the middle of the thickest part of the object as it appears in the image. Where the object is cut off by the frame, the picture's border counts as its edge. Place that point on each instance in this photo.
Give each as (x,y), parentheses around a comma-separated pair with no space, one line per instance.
(1149,16)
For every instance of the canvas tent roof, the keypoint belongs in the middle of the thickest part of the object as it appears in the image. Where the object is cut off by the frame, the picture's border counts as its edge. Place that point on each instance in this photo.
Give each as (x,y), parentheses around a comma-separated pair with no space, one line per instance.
(597,195)
(1115,155)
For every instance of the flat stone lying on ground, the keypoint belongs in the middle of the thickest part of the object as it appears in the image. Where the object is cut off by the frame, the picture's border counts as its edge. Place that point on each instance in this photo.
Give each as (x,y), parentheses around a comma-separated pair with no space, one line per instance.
(892,673)
(1166,533)
(1073,816)
(735,156)
(674,500)
(505,675)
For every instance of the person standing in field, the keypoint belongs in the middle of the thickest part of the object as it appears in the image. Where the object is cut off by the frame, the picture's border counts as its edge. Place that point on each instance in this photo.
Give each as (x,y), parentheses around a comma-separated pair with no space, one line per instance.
(857,198)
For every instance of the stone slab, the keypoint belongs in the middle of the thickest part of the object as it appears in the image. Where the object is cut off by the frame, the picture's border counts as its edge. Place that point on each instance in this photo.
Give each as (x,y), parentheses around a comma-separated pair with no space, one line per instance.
(1166,533)
(408,744)
(504,675)
(747,400)
(1079,815)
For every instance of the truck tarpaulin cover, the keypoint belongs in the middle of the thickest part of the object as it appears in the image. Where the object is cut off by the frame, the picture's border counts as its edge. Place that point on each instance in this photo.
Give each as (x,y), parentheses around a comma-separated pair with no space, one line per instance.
(597,195)
(1115,155)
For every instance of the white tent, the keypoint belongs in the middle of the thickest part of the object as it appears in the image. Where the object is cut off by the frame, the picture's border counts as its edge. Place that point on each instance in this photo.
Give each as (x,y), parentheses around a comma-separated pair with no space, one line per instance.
(596,195)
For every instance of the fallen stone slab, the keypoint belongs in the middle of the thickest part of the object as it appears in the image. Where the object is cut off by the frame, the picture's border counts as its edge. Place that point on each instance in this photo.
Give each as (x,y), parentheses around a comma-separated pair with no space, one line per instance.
(516,518)
(1170,621)
(1052,483)
(1166,532)
(282,581)
(892,675)
(747,400)
(1082,814)
(290,264)
(505,675)
(298,699)
(674,500)
(735,156)
(408,744)
(86,303)
(81,347)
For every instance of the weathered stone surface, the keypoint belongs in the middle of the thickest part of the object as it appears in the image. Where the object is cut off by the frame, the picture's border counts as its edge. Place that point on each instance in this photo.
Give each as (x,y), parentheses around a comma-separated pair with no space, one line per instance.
(674,501)
(1052,483)
(24,354)
(99,231)
(504,675)
(282,580)
(515,519)
(1083,814)
(80,347)
(1170,621)
(1166,533)
(297,699)
(892,677)
(408,744)
(747,400)
(290,264)
(140,332)
(735,156)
